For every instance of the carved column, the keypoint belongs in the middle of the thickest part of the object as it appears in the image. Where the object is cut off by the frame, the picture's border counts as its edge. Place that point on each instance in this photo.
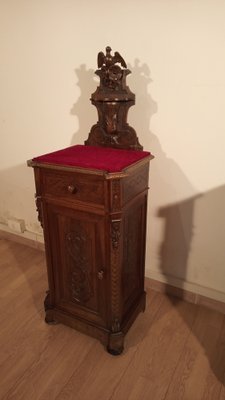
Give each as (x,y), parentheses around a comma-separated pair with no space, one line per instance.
(116,338)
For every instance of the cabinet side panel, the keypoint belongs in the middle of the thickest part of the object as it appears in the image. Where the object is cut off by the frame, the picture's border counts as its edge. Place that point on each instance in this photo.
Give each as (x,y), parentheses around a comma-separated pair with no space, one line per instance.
(136,182)
(134,226)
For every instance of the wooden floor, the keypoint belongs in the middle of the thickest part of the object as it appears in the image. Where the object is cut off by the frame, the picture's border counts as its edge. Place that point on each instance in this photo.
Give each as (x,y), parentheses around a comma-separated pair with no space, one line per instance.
(174,350)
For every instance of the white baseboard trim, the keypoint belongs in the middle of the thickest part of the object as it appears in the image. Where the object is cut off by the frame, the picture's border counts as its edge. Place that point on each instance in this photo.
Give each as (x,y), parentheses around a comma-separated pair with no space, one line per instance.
(28,238)
(187,291)
(186,285)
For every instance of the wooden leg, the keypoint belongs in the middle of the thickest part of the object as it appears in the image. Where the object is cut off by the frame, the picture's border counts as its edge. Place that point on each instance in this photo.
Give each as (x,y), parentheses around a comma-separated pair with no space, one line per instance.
(116,343)
(49,319)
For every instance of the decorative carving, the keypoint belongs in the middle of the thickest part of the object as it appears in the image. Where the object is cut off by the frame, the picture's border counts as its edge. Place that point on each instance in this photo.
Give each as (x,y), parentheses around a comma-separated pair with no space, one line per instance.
(116,195)
(115,233)
(80,279)
(108,60)
(100,275)
(115,325)
(39,208)
(111,74)
(113,99)
(115,274)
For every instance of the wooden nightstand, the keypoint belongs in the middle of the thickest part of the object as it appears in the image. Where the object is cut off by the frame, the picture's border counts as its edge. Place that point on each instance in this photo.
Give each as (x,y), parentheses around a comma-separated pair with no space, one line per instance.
(92,203)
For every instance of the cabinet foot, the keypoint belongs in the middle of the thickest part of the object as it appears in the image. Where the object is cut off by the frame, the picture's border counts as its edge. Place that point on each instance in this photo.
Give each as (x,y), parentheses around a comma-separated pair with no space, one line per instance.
(115,352)
(115,344)
(50,321)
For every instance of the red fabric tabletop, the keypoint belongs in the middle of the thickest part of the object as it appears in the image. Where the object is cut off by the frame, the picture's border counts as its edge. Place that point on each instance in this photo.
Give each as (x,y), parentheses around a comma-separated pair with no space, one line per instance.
(93,157)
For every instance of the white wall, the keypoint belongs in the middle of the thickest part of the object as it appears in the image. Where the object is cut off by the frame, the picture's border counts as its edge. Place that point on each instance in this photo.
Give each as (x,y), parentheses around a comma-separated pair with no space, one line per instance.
(176,52)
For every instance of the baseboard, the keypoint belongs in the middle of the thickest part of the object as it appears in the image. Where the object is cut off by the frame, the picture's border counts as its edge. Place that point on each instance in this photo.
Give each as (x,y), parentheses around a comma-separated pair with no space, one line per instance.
(185,295)
(27,238)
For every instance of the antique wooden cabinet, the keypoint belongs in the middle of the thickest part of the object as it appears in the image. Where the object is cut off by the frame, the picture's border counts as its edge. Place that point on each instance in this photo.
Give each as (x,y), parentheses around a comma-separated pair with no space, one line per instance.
(92,201)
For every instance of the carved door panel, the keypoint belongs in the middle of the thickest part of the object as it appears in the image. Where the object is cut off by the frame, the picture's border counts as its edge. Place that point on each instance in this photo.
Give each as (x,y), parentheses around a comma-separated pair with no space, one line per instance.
(78,259)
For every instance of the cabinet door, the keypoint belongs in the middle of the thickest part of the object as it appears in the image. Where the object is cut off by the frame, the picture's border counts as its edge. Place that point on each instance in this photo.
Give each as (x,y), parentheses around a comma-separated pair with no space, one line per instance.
(76,242)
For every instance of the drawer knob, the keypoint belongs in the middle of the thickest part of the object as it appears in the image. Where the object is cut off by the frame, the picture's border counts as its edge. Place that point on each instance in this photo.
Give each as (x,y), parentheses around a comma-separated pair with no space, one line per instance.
(72,189)
(100,275)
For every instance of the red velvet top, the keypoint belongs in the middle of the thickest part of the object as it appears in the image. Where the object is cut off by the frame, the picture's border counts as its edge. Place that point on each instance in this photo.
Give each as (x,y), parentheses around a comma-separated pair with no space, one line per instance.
(93,157)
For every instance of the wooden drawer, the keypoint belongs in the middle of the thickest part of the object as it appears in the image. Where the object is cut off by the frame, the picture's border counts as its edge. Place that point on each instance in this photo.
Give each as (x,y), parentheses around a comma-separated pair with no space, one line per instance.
(73,186)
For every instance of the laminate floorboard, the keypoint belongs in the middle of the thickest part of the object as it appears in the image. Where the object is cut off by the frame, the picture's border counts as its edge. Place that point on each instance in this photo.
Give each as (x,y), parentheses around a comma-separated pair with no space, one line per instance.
(195,373)
(173,351)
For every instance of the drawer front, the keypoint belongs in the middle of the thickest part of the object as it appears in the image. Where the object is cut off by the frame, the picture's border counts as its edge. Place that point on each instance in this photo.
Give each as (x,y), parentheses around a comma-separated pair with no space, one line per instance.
(73,186)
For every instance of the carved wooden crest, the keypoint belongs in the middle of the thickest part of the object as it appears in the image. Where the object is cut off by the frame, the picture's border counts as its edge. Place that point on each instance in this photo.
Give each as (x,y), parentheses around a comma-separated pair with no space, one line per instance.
(113,99)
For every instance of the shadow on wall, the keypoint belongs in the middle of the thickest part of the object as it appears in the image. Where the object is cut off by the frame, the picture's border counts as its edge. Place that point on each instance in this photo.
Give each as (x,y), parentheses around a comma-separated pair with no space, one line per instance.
(197,224)
(178,233)
(83,109)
